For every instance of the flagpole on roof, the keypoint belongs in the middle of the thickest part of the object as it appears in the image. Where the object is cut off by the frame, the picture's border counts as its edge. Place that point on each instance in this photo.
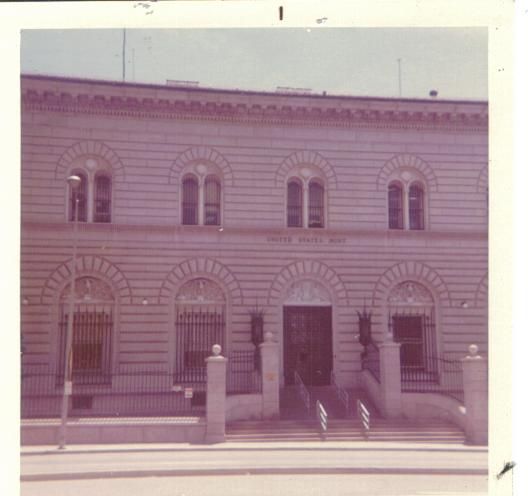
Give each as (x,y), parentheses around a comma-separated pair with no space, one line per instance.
(124,45)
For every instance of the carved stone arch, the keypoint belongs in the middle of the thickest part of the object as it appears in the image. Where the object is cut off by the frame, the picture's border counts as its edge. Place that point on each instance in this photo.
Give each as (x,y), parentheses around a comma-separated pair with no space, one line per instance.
(410,271)
(90,148)
(306,158)
(307,269)
(406,161)
(195,268)
(482,181)
(200,154)
(481,293)
(86,265)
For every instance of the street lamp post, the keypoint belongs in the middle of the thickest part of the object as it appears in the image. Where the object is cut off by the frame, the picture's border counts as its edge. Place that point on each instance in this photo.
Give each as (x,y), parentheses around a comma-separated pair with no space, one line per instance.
(74,183)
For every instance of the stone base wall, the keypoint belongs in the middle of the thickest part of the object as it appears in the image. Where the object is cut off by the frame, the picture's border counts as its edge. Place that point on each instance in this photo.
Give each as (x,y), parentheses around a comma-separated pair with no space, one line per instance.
(192,430)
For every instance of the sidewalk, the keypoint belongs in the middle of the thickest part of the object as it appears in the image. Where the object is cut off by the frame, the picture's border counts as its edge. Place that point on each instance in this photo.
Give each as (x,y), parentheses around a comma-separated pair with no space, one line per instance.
(141,460)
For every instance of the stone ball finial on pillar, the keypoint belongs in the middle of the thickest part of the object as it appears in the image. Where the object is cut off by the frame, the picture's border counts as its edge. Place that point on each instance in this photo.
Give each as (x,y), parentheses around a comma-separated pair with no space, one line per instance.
(217,349)
(473,351)
(268,337)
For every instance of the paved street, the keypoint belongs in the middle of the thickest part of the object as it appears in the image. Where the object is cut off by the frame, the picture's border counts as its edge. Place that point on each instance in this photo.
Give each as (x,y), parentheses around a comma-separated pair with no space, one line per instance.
(265,485)
(255,458)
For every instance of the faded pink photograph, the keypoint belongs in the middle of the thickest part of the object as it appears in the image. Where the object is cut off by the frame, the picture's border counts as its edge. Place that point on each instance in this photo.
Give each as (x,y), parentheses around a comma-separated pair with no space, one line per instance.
(254,261)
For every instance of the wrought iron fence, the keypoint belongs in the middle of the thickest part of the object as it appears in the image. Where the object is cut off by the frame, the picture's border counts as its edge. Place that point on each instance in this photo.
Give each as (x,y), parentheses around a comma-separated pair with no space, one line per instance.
(370,360)
(434,375)
(243,372)
(129,393)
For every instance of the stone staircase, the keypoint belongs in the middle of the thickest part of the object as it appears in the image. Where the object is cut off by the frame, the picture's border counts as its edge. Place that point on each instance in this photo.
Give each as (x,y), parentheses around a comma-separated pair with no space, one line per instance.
(431,432)
(297,424)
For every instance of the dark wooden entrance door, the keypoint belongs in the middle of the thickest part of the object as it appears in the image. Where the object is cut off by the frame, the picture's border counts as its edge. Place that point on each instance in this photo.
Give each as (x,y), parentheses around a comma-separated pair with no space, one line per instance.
(308,344)
(408,330)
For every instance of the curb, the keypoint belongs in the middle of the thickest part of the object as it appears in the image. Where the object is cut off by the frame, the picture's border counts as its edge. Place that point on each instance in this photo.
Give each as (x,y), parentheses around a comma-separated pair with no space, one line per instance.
(248,471)
(80,451)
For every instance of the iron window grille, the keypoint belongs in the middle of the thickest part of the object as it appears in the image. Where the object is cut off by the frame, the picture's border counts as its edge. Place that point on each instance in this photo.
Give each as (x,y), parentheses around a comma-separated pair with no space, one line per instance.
(198,328)
(294,206)
(316,205)
(103,198)
(190,202)
(91,342)
(416,207)
(212,202)
(395,207)
(81,194)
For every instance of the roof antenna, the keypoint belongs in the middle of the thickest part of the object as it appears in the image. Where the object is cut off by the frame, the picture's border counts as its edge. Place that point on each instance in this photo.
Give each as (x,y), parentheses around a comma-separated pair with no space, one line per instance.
(399,78)
(124,49)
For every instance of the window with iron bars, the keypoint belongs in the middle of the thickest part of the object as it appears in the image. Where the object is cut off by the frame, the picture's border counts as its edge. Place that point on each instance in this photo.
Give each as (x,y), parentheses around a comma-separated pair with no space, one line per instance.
(316,205)
(103,198)
(212,202)
(198,328)
(305,204)
(294,204)
(91,342)
(406,206)
(416,333)
(416,207)
(94,195)
(201,200)
(395,207)
(190,201)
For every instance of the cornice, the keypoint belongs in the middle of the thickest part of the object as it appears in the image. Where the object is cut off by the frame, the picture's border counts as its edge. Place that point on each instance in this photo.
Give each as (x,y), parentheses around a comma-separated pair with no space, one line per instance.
(316,112)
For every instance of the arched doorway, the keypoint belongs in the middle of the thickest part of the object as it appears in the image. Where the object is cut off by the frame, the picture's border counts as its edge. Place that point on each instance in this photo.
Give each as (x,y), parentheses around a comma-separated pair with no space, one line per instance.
(307,320)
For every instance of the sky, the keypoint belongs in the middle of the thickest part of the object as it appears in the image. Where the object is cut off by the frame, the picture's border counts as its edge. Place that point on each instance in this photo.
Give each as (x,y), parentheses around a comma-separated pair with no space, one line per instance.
(351,61)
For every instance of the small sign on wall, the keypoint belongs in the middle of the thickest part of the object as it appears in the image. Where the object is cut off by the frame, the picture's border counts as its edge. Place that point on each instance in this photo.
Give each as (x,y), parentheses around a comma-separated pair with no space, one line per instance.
(271,376)
(177,388)
(188,393)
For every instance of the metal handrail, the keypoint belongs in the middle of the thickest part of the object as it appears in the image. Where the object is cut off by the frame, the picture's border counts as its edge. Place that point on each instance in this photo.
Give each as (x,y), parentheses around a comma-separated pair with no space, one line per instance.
(342,393)
(302,390)
(321,415)
(364,417)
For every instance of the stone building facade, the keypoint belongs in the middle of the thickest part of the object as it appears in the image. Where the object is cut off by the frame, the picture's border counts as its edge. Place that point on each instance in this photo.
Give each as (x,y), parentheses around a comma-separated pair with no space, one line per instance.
(305,209)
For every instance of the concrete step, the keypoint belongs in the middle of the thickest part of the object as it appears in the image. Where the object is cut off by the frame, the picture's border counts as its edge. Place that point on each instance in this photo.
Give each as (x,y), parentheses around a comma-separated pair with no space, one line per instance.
(345,430)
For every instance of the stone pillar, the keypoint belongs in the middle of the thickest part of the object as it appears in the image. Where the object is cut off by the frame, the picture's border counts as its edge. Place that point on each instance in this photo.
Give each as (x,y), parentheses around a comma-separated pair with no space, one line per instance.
(216,396)
(390,379)
(475,377)
(269,353)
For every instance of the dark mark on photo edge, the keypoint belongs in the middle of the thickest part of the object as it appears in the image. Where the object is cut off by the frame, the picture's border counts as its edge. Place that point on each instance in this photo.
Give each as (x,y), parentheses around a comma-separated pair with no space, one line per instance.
(507,467)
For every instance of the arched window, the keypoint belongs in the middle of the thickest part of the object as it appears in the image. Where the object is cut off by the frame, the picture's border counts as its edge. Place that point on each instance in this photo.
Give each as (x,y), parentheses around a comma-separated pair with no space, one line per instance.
(201,195)
(200,323)
(416,207)
(81,194)
(294,204)
(395,206)
(190,201)
(305,197)
(93,322)
(407,200)
(103,197)
(94,192)
(316,205)
(212,201)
